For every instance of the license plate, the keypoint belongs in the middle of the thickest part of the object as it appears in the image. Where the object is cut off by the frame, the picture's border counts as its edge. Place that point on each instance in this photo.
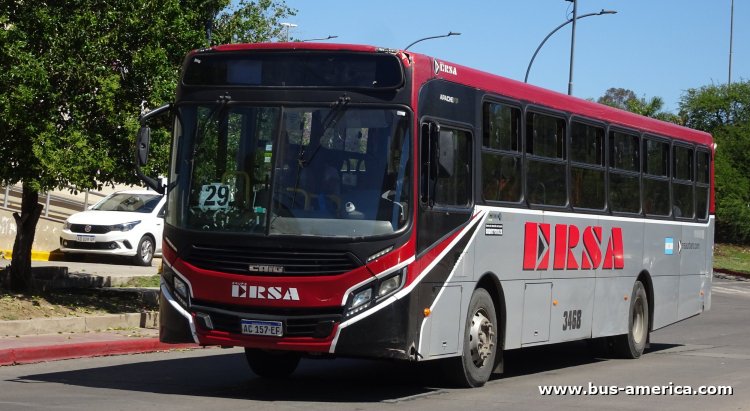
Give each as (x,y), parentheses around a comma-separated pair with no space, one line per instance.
(85,238)
(269,328)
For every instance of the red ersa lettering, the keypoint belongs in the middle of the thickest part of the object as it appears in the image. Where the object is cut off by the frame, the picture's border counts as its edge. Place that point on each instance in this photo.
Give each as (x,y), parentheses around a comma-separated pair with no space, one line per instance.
(542,243)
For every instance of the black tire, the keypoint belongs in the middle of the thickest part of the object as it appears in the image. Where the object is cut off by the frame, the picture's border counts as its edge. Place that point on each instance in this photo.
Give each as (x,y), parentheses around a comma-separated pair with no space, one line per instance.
(75,257)
(272,364)
(474,367)
(632,344)
(144,253)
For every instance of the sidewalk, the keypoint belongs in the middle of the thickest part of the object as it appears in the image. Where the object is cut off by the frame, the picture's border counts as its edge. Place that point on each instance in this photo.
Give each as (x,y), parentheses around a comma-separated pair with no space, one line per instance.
(52,347)
(51,339)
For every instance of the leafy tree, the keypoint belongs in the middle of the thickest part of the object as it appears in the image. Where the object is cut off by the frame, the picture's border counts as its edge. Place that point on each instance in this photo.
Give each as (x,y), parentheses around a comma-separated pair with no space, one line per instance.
(75,75)
(250,22)
(626,99)
(711,107)
(725,112)
(617,97)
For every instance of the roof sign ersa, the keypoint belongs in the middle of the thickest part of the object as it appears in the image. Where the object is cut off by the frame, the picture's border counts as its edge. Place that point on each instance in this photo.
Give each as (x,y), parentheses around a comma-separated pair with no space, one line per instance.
(441,67)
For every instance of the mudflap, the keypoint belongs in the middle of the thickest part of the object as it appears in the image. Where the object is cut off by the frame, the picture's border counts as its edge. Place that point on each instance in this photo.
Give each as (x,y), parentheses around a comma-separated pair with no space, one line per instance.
(388,333)
(174,328)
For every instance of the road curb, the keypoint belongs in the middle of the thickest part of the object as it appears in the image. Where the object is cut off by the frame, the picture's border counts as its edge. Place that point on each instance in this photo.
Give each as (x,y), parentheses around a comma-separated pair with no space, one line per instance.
(29,355)
(59,325)
(36,255)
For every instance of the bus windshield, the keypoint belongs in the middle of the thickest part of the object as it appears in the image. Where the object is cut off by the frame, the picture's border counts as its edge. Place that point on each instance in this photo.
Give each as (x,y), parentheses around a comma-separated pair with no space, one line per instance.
(329,171)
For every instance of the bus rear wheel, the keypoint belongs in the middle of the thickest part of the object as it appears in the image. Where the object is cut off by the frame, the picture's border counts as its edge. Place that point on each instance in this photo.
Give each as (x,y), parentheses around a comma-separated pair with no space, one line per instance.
(632,344)
(272,364)
(474,367)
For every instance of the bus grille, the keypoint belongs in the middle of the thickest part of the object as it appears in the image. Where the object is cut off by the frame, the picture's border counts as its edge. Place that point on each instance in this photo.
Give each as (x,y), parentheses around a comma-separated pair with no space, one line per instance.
(254,261)
(314,324)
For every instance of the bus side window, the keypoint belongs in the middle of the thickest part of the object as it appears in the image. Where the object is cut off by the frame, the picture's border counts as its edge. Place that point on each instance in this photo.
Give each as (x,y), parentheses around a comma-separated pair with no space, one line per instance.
(624,173)
(453,180)
(546,182)
(702,181)
(587,166)
(426,172)
(656,177)
(446,166)
(501,156)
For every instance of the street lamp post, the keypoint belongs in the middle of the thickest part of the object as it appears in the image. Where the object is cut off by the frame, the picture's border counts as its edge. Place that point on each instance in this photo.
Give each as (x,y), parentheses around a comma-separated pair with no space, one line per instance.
(322,39)
(731,40)
(572,45)
(570,77)
(450,33)
(287,26)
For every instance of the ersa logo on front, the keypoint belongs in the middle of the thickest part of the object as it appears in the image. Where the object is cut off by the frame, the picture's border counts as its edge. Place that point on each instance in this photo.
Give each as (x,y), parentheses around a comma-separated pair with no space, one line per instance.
(441,67)
(257,292)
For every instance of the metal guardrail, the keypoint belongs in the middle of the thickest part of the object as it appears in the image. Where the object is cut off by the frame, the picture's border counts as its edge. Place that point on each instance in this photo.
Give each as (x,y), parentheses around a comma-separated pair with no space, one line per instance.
(56,207)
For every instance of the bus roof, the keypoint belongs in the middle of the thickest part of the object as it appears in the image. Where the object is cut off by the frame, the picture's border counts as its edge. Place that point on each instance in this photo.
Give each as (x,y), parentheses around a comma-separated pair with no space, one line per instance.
(427,68)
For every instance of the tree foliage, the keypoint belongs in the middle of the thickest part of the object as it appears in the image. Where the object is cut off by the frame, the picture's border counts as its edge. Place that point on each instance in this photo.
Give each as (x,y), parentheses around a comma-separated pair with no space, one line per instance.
(617,97)
(77,74)
(724,111)
(626,99)
(250,22)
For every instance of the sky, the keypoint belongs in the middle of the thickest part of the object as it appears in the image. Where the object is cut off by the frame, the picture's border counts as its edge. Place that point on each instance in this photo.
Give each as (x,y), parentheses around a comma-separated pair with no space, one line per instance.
(653,47)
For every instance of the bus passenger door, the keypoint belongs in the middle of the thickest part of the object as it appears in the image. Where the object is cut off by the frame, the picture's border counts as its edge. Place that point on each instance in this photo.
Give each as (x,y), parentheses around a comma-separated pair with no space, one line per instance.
(445,200)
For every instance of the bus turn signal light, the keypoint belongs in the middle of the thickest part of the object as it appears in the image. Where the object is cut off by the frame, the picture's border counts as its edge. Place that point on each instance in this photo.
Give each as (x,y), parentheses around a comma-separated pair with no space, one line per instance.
(427,312)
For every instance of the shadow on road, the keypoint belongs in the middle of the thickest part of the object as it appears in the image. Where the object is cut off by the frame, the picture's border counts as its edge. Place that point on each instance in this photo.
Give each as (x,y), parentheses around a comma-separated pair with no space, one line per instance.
(95,259)
(337,381)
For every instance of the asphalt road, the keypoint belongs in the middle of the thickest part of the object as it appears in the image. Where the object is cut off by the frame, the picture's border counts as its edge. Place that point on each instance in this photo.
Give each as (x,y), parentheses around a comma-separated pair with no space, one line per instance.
(709,350)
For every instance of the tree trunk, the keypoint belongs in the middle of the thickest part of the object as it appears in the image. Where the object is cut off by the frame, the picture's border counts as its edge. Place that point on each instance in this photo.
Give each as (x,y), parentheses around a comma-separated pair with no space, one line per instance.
(20,268)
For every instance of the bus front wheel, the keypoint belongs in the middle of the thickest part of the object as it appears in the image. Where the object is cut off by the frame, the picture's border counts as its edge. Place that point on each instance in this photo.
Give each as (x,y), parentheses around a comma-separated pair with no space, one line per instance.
(632,344)
(271,364)
(474,367)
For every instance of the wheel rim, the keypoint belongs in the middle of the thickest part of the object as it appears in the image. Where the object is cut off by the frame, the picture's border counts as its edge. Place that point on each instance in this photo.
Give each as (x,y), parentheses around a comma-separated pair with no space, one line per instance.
(146,250)
(639,316)
(481,338)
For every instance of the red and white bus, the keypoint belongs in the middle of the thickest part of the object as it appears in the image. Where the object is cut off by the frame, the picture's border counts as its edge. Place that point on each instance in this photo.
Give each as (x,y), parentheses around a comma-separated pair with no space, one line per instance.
(347,200)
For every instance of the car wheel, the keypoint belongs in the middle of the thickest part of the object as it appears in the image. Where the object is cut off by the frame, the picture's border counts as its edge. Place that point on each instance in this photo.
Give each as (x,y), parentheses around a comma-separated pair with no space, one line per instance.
(144,253)
(272,364)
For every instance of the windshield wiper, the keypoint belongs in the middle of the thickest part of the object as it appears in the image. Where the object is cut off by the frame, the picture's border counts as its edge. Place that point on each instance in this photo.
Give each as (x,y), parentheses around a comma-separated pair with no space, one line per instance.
(338,108)
(216,111)
(200,129)
(337,111)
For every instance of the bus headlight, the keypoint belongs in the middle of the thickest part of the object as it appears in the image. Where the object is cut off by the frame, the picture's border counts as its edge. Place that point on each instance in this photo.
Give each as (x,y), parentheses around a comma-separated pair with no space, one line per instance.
(361,298)
(374,292)
(181,290)
(390,284)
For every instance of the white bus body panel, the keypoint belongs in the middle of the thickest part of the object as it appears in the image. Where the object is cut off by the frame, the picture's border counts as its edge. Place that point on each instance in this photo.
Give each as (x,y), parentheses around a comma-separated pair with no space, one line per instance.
(675,255)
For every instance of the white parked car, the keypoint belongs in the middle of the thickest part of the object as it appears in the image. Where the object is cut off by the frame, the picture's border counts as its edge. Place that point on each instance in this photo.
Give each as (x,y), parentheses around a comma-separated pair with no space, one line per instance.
(126,223)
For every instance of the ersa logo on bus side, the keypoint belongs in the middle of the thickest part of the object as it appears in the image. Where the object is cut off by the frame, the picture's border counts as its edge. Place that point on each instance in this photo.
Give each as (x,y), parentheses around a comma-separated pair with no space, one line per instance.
(572,248)
(441,67)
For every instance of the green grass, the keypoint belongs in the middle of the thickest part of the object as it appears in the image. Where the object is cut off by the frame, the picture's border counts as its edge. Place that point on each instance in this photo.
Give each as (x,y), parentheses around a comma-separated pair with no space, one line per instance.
(734,258)
(142,282)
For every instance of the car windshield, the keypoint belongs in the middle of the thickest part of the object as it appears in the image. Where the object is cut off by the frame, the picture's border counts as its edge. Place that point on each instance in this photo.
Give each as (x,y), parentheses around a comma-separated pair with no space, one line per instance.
(331,171)
(136,203)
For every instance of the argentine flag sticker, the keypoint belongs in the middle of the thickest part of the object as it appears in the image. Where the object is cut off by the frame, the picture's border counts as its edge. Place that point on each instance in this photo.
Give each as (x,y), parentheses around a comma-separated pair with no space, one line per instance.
(669,246)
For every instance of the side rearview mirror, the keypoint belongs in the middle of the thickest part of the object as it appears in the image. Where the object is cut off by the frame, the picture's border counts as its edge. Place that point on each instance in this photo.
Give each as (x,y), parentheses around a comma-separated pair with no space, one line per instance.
(142,144)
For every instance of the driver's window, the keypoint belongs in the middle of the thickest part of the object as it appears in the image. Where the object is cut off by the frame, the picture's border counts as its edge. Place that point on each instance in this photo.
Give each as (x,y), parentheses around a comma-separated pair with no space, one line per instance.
(453,179)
